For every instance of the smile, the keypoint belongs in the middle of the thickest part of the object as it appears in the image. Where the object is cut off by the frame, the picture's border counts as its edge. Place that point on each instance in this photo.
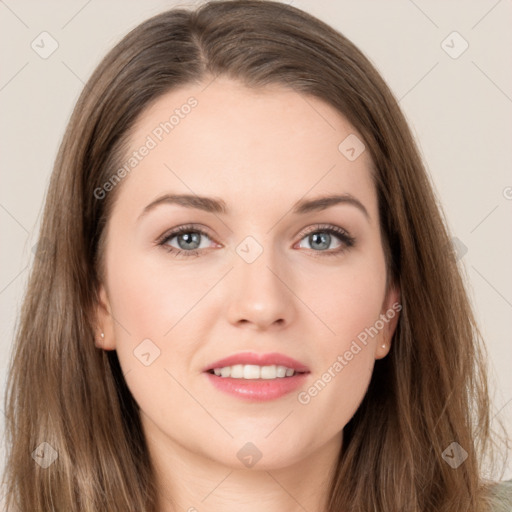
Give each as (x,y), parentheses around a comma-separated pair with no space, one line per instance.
(253,371)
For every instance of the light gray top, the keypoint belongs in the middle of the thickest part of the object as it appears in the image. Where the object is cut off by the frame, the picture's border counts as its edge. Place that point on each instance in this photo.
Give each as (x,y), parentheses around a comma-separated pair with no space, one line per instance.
(503,496)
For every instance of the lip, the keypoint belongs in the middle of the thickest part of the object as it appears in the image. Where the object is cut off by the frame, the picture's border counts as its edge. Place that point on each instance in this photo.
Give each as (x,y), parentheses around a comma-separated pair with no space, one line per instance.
(257,390)
(273,358)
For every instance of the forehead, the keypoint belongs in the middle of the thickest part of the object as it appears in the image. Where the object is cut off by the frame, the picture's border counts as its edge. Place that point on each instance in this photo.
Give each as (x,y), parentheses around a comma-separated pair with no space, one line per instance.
(247,146)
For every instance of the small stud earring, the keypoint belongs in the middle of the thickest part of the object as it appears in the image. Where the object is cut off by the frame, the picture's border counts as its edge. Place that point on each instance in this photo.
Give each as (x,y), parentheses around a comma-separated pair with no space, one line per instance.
(384,346)
(102,335)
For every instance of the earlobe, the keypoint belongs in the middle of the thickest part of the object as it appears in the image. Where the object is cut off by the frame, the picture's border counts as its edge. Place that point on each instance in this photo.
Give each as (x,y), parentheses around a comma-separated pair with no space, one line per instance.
(382,351)
(98,341)
(391,312)
(104,336)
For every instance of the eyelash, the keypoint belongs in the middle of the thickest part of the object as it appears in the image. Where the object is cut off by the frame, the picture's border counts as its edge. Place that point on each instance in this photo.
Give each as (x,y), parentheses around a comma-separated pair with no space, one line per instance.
(344,237)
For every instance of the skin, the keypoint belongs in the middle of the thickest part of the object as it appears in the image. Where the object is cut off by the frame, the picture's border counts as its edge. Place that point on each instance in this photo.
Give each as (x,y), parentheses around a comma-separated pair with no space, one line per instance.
(260,151)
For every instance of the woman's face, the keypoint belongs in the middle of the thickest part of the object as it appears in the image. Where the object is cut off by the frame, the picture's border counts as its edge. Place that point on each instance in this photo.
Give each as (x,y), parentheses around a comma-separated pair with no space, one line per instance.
(266,276)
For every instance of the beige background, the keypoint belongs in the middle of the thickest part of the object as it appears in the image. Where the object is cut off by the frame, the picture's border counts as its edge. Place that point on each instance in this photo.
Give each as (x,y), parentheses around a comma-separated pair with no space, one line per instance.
(459,109)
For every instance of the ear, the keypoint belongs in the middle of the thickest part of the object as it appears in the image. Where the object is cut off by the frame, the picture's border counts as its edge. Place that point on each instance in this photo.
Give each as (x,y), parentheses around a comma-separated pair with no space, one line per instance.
(104,336)
(390,313)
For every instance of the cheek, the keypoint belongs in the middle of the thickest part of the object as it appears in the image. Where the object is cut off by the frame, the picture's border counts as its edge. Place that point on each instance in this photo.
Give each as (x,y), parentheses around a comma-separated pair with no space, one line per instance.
(335,394)
(152,306)
(148,298)
(163,309)
(348,299)
(349,302)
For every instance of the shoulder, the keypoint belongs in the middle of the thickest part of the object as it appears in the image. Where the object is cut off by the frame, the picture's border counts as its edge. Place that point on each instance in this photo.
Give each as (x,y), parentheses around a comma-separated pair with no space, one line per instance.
(502,496)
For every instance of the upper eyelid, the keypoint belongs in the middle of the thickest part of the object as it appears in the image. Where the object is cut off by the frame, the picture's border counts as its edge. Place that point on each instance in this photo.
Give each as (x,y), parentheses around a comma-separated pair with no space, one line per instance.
(170,233)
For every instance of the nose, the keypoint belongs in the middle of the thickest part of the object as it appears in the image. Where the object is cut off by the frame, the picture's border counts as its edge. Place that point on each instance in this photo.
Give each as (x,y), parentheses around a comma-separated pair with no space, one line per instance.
(260,294)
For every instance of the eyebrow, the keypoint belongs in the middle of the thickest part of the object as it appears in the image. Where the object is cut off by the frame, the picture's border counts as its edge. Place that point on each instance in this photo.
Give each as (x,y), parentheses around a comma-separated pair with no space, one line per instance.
(217,205)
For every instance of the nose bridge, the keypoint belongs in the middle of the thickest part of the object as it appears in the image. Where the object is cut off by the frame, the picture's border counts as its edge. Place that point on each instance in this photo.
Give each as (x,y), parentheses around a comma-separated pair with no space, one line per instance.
(255,260)
(259,294)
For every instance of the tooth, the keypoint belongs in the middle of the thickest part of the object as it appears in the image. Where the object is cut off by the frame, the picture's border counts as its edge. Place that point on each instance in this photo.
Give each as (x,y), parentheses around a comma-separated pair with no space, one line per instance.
(251,371)
(268,372)
(237,371)
(281,371)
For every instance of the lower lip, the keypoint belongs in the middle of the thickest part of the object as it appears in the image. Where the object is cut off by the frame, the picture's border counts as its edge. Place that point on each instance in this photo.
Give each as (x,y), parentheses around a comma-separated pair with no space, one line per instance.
(257,390)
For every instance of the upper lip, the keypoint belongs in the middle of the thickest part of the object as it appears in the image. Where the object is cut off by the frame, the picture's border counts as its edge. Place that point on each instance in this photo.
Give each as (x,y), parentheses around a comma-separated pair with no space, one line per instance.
(259,359)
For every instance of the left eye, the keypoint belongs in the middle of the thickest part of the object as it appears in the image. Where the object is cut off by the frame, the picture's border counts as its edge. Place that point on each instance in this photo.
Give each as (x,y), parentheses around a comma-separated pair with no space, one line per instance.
(322,235)
(321,239)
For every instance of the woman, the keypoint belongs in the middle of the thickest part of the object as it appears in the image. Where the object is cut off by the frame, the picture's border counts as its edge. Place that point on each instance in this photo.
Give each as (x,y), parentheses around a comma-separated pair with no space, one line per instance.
(200,350)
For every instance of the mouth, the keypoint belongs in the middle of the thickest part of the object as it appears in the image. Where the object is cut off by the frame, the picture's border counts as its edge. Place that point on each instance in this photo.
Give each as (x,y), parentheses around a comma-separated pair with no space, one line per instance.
(255,372)
(257,377)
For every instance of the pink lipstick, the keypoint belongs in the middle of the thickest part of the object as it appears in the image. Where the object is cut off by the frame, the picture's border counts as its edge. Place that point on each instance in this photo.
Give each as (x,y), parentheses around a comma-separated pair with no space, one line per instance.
(257,377)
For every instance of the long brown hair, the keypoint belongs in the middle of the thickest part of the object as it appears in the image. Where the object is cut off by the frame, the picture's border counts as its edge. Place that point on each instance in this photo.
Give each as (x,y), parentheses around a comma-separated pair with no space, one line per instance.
(74,436)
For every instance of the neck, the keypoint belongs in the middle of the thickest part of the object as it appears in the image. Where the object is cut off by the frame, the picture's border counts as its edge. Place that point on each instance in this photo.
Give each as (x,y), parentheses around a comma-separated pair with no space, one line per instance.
(193,482)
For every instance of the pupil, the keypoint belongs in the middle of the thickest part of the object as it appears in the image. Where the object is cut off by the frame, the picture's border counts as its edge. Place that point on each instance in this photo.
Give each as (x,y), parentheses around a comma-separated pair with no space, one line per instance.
(190,238)
(324,240)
